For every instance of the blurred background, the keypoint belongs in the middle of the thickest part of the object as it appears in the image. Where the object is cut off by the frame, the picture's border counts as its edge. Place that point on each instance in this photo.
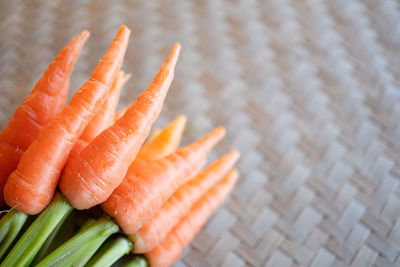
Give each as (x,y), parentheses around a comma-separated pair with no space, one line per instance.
(309,93)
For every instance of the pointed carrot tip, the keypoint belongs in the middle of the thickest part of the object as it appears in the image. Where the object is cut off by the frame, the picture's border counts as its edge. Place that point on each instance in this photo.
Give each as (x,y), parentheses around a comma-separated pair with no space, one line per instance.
(174,55)
(215,136)
(220,131)
(234,153)
(123,27)
(84,34)
(177,46)
(181,119)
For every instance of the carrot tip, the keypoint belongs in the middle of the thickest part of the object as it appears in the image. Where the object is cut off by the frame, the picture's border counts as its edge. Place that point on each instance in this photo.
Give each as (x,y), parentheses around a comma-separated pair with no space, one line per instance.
(174,55)
(220,131)
(177,46)
(84,34)
(235,153)
(124,28)
(181,119)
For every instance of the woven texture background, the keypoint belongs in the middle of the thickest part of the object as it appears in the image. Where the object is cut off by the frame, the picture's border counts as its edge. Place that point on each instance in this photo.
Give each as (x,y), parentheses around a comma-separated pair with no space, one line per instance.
(309,93)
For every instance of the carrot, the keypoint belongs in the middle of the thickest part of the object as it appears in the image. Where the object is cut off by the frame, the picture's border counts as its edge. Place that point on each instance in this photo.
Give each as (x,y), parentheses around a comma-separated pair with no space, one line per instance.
(153,135)
(46,100)
(153,232)
(166,141)
(162,143)
(32,185)
(104,117)
(90,178)
(146,188)
(120,113)
(182,234)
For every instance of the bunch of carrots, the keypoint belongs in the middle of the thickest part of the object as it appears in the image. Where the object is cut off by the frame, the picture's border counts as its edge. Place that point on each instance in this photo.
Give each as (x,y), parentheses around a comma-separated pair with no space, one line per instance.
(57,157)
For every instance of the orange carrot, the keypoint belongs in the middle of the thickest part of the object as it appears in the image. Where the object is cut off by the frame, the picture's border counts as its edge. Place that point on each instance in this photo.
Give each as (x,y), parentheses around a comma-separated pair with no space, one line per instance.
(166,141)
(182,234)
(120,113)
(32,185)
(179,204)
(162,143)
(153,135)
(146,188)
(90,178)
(104,116)
(45,101)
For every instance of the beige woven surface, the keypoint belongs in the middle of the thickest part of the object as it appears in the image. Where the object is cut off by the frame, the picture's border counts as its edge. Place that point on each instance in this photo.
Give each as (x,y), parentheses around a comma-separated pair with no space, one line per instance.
(309,93)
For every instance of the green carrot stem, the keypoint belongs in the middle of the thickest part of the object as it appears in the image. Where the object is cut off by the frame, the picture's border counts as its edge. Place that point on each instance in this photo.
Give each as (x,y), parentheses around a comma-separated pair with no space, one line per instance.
(32,240)
(10,226)
(110,252)
(42,251)
(77,250)
(137,261)
(89,222)
(89,250)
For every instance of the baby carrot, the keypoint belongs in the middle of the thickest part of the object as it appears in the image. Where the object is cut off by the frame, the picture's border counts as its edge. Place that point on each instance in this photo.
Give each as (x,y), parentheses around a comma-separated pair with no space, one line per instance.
(179,204)
(45,101)
(120,113)
(104,116)
(32,185)
(166,141)
(145,189)
(182,234)
(90,178)
(162,143)
(153,135)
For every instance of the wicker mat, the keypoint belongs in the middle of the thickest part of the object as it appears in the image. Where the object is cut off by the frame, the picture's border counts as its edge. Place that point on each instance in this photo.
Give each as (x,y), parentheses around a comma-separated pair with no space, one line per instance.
(309,93)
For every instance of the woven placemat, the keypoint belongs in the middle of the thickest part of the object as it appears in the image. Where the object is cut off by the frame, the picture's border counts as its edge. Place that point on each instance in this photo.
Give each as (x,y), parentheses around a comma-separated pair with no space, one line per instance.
(309,93)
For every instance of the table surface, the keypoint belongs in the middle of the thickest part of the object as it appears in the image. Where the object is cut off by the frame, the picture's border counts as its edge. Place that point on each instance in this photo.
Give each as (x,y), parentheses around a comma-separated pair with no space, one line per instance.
(308,91)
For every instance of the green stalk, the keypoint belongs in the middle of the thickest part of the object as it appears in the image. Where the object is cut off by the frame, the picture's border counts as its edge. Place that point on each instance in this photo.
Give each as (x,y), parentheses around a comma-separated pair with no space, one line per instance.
(89,250)
(78,250)
(110,252)
(32,240)
(42,251)
(89,222)
(137,261)
(10,225)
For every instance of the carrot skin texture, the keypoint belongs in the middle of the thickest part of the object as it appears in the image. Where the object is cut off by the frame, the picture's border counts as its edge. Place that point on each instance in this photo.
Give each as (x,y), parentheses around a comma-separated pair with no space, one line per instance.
(120,113)
(166,141)
(148,186)
(46,100)
(32,185)
(179,204)
(90,178)
(153,135)
(104,117)
(183,233)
